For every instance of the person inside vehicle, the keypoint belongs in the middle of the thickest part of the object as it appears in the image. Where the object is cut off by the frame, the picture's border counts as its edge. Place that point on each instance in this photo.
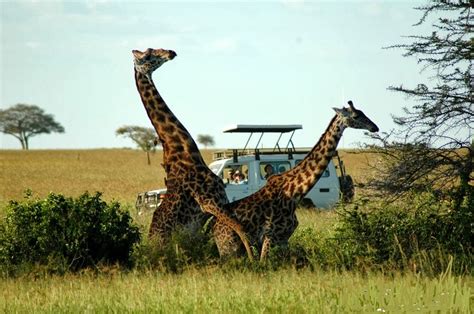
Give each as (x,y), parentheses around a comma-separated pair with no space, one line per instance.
(281,169)
(230,178)
(238,177)
(268,171)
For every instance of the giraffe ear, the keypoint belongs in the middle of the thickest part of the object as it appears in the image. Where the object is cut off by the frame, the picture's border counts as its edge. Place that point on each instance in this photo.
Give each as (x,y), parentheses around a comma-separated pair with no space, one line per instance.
(351,105)
(337,109)
(137,53)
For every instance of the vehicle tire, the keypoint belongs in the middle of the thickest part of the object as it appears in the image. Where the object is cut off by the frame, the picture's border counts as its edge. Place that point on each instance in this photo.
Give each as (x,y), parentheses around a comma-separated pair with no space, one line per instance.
(306,203)
(347,188)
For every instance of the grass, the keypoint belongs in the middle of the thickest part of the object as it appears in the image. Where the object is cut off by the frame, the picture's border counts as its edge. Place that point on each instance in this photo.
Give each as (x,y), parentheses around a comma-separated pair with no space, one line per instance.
(357,163)
(119,173)
(214,290)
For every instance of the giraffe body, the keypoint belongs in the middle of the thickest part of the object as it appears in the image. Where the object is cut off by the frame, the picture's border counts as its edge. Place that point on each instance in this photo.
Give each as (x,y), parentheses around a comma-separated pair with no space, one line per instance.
(269,214)
(190,183)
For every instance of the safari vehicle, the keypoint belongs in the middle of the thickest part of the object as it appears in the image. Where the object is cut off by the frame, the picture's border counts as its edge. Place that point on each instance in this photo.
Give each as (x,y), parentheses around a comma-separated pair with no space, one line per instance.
(250,165)
(149,200)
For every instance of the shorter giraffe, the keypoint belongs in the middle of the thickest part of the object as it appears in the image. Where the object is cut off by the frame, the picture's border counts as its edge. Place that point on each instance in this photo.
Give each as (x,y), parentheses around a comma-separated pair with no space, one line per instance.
(269,214)
(189,181)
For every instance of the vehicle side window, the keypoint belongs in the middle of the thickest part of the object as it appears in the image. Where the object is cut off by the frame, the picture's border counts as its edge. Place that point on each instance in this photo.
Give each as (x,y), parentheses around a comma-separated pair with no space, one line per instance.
(270,168)
(236,174)
(325,174)
(139,199)
(151,198)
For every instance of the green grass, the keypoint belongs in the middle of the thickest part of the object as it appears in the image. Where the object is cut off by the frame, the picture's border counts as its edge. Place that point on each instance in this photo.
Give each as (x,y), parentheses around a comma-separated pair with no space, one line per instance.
(213,290)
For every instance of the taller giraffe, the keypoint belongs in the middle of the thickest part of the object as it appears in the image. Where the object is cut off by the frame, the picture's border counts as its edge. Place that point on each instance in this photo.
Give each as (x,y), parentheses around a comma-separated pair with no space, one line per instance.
(269,214)
(189,181)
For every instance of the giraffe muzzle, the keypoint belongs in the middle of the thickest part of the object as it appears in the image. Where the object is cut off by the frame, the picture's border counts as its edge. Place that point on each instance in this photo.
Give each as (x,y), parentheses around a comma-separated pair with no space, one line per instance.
(172,54)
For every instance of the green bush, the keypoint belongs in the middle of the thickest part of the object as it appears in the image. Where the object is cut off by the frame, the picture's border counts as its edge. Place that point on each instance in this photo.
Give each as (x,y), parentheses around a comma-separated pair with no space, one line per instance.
(309,247)
(187,247)
(63,233)
(419,230)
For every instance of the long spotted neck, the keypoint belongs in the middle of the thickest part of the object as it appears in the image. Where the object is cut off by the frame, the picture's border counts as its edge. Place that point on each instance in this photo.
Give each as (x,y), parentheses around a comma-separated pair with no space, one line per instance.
(174,137)
(300,179)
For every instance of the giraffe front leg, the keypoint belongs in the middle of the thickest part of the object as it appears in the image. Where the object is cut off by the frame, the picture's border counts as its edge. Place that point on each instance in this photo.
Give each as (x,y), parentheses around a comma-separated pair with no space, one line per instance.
(163,222)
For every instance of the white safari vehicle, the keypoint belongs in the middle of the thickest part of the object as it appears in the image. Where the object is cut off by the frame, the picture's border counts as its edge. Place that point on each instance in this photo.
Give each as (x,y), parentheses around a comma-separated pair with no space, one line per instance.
(250,164)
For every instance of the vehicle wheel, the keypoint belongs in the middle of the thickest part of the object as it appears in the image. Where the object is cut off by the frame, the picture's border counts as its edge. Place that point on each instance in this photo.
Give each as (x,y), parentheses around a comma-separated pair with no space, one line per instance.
(306,203)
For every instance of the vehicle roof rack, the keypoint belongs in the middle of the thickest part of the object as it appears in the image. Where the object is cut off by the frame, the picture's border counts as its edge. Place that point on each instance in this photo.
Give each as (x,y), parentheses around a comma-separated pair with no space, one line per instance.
(262,129)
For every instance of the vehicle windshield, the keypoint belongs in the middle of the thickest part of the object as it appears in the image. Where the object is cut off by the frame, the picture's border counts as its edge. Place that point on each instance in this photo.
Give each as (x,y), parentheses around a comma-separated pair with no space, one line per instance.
(215,168)
(235,174)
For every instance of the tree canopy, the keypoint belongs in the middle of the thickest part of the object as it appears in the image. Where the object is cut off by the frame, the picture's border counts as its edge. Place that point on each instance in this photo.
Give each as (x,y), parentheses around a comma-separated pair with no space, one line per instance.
(25,121)
(433,145)
(145,138)
(206,140)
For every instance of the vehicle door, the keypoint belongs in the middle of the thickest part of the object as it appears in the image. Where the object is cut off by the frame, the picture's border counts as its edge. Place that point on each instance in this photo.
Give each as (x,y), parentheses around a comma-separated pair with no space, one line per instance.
(325,192)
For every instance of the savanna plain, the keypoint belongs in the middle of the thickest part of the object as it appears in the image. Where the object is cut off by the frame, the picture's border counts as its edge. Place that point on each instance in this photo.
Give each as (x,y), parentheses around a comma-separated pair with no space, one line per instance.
(203,287)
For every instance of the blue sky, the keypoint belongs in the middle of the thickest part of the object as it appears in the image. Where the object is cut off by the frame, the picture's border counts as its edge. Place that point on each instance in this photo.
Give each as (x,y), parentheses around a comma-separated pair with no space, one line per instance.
(246,62)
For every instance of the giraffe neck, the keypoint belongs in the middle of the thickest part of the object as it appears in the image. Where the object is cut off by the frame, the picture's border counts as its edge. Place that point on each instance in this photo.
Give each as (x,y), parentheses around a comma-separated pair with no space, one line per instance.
(305,175)
(175,139)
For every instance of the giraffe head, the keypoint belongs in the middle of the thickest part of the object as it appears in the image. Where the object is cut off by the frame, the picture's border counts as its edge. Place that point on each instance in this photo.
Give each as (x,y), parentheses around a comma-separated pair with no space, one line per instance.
(151,59)
(354,118)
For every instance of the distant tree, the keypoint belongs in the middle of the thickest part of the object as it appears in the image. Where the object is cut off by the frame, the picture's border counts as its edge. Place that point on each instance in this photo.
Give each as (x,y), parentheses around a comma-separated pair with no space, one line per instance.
(145,138)
(25,121)
(433,145)
(205,140)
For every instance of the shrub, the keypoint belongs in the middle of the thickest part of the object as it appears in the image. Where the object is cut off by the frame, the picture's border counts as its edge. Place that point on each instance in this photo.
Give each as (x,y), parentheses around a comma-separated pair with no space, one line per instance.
(308,247)
(64,233)
(421,229)
(187,247)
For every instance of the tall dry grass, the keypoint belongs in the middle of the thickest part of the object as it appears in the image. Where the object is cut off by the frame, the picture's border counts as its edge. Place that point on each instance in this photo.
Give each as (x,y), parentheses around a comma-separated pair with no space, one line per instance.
(119,173)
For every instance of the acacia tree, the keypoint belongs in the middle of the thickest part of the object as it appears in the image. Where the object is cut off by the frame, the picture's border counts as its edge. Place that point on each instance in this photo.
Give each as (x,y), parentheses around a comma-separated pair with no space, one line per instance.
(433,145)
(25,121)
(145,138)
(205,140)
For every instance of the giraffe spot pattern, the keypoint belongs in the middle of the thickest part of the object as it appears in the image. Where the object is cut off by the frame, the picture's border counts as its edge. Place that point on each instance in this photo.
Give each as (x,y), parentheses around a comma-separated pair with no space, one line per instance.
(169,128)
(160,117)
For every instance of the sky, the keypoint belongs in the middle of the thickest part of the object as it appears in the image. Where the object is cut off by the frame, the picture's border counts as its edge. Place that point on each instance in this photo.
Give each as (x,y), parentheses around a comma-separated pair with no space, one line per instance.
(239,62)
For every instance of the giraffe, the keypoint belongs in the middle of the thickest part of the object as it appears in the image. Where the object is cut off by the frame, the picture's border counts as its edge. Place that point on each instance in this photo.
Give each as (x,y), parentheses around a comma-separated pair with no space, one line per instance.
(269,214)
(190,183)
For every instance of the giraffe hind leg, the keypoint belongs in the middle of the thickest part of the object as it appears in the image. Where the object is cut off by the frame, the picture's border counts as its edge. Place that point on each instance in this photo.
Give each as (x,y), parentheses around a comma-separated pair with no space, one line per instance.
(265,248)
(223,217)
(164,220)
(228,243)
